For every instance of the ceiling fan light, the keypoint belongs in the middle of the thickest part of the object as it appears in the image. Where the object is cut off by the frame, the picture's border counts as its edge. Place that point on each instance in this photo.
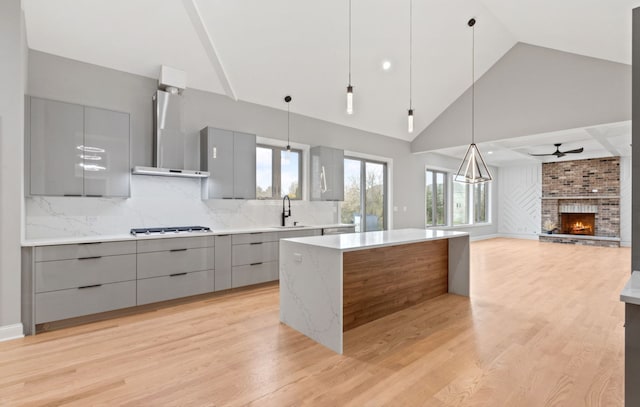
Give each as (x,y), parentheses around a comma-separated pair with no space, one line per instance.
(473,169)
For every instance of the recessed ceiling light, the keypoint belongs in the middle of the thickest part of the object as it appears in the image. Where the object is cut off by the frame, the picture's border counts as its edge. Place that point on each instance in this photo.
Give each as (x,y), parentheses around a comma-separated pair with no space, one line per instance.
(386,65)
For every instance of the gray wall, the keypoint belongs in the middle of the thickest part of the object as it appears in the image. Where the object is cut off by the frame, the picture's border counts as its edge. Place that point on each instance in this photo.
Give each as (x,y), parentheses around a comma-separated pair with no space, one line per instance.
(72,81)
(533,90)
(12,82)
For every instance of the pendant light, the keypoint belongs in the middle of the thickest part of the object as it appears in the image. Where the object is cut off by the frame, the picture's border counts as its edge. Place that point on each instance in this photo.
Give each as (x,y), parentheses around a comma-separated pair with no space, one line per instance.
(410,115)
(287,100)
(349,87)
(473,169)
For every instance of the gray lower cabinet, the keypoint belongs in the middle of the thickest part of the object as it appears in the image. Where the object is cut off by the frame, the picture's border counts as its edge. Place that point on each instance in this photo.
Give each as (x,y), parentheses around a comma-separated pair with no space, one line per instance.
(230,157)
(254,258)
(223,262)
(255,273)
(75,302)
(75,150)
(176,261)
(632,355)
(174,286)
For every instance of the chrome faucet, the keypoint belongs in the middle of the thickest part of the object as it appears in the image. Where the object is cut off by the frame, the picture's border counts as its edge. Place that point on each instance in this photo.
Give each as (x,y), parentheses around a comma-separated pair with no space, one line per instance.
(285,214)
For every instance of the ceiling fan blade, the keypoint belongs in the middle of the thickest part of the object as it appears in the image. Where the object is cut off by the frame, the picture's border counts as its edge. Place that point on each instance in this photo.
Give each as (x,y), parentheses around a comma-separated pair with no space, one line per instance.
(560,154)
(576,151)
(540,155)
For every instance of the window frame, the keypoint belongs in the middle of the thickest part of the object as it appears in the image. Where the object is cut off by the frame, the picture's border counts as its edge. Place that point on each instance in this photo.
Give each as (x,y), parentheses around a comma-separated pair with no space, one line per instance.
(434,196)
(276,172)
(449,201)
(363,191)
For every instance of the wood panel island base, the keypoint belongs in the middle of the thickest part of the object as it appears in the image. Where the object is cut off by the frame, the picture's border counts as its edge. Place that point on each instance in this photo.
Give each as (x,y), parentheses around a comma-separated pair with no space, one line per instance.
(331,284)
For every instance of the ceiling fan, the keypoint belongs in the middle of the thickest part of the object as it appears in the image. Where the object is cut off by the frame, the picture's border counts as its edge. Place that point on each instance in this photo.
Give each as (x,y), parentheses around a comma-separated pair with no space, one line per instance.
(559,153)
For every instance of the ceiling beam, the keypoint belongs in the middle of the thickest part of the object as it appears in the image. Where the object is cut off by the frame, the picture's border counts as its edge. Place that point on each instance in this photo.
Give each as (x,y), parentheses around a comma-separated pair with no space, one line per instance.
(597,135)
(207,43)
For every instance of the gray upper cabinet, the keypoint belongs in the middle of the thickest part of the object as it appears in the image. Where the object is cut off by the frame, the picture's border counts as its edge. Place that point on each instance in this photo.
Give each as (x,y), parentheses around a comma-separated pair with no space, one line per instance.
(76,150)
(244,165)
(57,134)
(106,161)
(230,157)
(327,174)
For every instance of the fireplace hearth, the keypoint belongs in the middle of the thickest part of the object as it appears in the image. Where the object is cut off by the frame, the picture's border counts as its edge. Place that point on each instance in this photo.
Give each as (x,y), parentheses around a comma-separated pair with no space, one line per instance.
(578,223)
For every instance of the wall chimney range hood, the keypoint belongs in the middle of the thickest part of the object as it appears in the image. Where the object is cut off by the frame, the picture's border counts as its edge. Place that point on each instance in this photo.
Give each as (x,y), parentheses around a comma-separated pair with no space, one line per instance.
(168,134)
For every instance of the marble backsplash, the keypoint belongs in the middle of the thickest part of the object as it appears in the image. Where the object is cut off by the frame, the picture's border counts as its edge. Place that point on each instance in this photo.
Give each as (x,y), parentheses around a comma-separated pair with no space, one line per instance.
(161,201)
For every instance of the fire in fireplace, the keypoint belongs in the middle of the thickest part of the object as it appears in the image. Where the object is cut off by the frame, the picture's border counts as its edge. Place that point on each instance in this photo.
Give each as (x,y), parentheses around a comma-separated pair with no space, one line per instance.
(578,223)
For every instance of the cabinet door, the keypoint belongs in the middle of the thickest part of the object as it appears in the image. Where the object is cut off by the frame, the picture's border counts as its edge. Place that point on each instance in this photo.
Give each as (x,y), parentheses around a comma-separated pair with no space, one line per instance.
(222,260)
(216,156)
(244,166)
(106,153)
(56,143)
(336,192)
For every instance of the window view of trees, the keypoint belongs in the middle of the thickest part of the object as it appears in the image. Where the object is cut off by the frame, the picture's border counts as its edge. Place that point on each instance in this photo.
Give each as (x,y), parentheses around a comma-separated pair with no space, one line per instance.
(468,204)
(278,173)
(435,198)
(359,176)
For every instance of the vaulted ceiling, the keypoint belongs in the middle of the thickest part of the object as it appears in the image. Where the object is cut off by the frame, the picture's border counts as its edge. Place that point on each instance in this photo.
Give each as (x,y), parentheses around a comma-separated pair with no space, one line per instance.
(259,51)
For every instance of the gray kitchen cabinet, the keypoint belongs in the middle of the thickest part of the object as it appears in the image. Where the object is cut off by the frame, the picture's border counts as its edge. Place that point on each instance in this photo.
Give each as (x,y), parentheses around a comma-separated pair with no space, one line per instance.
(327,174)
(57,134)
(230,157)
(174,286)
(156,264)
(244,165)
(75,150)
(222,262)
(107,169)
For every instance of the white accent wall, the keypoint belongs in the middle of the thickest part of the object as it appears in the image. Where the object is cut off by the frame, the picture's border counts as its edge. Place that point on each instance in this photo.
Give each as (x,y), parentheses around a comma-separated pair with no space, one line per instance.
(519,202)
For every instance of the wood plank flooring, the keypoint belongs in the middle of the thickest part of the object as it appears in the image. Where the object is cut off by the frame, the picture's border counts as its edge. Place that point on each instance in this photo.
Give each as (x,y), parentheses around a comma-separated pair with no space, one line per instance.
(544,327)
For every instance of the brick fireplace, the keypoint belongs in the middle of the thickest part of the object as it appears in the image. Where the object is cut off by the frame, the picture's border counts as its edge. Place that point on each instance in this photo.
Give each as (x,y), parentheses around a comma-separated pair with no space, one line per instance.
(582,198)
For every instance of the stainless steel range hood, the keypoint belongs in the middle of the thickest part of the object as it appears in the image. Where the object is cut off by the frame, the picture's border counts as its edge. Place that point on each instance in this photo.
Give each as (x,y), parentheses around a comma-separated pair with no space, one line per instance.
(168,134)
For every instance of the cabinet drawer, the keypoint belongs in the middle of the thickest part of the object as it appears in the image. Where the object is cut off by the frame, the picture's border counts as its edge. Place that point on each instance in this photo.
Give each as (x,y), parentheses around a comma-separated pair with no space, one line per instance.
(74,251)
(170,287)
(245,238)
(299,233)
(254,274)
(155,264)
(56,305)
(62,274)
(254,253)
(157,245)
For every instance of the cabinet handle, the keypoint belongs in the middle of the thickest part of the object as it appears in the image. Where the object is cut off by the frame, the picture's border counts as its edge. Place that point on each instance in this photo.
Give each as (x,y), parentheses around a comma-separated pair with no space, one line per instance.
(90,258)
(178,250)
(94,196)
(253,243)
(255,233)
(222,235)
(72,195)
(227,197)
(89,243)
(255,264)
(177,274)
(89,286)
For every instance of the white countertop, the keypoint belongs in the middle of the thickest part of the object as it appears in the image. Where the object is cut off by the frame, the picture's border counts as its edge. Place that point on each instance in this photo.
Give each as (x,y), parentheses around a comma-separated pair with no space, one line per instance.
(128,236)
(631,291)
(368,240)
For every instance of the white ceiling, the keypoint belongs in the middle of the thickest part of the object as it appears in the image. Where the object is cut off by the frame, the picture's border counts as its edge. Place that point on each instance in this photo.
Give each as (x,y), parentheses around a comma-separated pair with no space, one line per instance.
(272,48)
(606,140)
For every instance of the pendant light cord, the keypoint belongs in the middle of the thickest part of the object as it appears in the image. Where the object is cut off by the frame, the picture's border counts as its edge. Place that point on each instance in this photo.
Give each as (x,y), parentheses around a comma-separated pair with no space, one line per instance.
(473,83)
(349,42)
(410,54)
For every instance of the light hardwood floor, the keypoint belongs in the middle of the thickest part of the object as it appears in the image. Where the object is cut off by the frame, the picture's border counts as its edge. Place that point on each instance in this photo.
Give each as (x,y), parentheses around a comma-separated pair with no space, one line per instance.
(544,327)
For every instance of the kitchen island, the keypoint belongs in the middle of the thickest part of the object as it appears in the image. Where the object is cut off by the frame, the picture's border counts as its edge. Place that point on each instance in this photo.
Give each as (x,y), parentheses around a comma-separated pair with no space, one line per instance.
(331,284)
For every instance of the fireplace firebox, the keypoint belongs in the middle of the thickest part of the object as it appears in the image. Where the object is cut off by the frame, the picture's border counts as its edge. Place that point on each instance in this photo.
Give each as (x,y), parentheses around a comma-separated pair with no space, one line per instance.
(578,223)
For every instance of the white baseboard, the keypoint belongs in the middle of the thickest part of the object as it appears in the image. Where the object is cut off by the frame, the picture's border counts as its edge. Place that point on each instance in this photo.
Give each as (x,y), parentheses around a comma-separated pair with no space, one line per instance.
(518,236)
(9,332)
(482,237)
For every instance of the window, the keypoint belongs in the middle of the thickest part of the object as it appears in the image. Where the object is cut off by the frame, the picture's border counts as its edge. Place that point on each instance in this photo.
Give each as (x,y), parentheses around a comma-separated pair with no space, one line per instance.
(278,173)
(365,198)
(453,203)
(435,198)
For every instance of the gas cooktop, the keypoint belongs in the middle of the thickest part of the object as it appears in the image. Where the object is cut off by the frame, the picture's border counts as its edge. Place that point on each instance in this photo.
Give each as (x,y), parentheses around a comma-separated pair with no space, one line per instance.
(169,229)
